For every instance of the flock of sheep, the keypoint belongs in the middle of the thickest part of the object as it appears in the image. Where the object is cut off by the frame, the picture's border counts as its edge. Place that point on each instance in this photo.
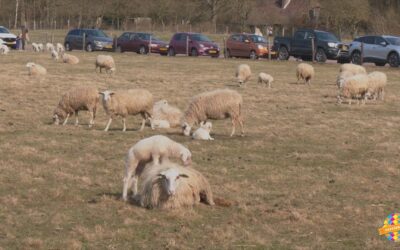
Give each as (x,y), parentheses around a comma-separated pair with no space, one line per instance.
(166,184)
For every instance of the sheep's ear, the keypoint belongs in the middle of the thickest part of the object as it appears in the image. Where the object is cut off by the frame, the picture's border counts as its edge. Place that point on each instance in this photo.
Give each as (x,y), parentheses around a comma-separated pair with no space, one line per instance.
(101,93)
(184,175)
(161,175)
(202,123)
(112,93)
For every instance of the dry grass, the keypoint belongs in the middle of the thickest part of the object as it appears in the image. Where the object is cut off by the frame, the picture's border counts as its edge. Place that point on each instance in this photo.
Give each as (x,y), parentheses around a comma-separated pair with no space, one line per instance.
(308,174)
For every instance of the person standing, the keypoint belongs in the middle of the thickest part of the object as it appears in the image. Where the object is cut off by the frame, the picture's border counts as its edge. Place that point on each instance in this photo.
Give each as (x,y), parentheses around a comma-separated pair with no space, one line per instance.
(24,36)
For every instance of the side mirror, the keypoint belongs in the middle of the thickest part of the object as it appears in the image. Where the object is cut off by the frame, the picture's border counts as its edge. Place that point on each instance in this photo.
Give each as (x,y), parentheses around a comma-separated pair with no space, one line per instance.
(384,44)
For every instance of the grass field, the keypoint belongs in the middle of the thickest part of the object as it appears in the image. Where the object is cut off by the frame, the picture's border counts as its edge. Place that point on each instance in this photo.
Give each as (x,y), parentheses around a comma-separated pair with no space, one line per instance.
(309,174)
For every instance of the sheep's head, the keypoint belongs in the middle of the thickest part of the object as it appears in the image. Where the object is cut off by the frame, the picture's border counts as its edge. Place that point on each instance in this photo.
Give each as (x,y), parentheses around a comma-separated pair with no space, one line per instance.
(186,157)
(206,125)
(112,70)
(59,116)
(170,180)
(30,65)
(186,129)
(106,96)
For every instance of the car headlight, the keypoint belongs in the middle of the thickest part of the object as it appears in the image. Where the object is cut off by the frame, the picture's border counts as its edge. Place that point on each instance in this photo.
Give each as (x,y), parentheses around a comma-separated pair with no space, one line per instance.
(98,43)
(260,46)
(333,45)
(201,45)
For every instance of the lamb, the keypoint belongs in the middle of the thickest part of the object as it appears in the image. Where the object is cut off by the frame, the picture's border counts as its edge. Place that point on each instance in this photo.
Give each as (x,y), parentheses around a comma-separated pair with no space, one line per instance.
(170,186)
(54,55)
(70,59)
(203,133)
(49,47)
(342,78)
(35,47)
(60,48)
(243,73)
(216,105)
(76,99)
(356,69)
(40,47)
(105,62)
(164,113)
(355,87)
(160,124)
(305,72)
(36,69)
(265,78)
(376,84)
(4,49)
(158,149)
(124,103)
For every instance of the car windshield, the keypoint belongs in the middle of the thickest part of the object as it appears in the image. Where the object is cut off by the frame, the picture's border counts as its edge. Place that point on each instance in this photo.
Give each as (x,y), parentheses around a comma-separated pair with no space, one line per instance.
(393,40)
(96,33)
(326,36)
(258,39)
(4,30)
(146,37)
(200,38)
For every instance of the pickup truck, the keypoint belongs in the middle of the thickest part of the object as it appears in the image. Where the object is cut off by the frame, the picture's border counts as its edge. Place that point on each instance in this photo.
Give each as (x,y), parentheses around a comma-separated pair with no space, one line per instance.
(326,45)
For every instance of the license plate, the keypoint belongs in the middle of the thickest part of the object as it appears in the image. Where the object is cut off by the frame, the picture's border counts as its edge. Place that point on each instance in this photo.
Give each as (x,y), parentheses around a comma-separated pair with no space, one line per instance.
(273,53)
(212,51)
(108,46)
(163,49)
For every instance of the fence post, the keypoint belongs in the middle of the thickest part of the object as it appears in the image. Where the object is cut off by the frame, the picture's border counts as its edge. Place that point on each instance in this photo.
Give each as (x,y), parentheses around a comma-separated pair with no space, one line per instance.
(362,54)
(313,49)
(269,46)
(150,45)
(84,41)
(187,45)
(225,51)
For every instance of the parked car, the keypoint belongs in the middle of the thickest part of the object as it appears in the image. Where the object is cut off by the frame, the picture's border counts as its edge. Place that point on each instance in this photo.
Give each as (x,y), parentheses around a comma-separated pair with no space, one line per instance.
(8,38)
(199,45)
(326,45)
(90,39)
(376,49)
(247,45)
(139,43)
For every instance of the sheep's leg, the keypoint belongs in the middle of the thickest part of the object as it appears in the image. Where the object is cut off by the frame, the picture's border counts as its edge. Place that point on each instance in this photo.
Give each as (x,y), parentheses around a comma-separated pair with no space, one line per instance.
(233,127)
(143,121)
(91,122)
(156,159)
(269,85)
(66,120)
(108,124)
(76,118)
(241,126)
(124,124)
(382,94)
(129,182)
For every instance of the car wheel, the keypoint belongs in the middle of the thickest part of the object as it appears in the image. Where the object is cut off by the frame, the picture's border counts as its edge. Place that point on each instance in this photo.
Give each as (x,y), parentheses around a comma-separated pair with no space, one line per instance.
(194,52)
(283,53)
(67,47)
(393,60)
(253,55)
(380,64)
(171,52)
(320,56)
(356,58)
(142,50)
(89,47)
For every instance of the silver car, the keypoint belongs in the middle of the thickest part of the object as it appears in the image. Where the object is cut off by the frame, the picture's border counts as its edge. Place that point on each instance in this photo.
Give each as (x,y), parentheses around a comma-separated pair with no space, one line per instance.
(376,49)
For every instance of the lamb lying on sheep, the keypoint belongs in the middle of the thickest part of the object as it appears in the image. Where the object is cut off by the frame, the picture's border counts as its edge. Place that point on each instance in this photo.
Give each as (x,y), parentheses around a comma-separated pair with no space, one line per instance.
(203,133)
(215,105)
(265,78)
(105,62)
(170,186)
(165,115)
(243,73)
(70,59)
(376,85)
(355,69)
(4,50)
(36,69)
(157,148)
(305,72)
(355,87)
(124,103)
(76,99)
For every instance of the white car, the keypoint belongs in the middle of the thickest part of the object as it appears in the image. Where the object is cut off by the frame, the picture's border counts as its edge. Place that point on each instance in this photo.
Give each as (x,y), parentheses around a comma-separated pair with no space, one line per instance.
(7,37)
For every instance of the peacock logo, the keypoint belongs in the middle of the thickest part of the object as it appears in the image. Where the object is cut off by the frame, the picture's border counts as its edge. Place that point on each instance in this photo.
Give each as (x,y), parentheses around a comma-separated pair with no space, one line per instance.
(391,227)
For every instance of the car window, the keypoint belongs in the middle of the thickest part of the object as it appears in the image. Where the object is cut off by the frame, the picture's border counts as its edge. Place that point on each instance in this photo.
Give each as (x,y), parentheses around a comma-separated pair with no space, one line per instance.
(299,35)
(200,38)
(326,36)
(125,36)
(3,30)
(183,37)
(258,39)
(73,32)
(309,35)
(369,40)
(379,40)
(132,36)
(96,33)
(393,40)
(235,37)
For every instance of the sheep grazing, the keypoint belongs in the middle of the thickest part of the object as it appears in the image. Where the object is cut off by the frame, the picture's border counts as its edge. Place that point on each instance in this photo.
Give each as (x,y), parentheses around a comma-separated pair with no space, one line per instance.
(164,113)
(124,103)
(70,59)
(157,148)
(355,87)
(356,69)
(75,100)
(215,105)
(54,55)
(4,50)
(40,47)
(243,73)
(376,85)
(60,48)
(105,62)
(170,186)
(36,69)
(49,47)
(203,133)
(265,78)
(35,47)
(342,78)
(305,72)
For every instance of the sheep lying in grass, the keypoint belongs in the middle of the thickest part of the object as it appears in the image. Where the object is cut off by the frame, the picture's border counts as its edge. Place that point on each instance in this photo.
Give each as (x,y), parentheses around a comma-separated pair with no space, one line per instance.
(124,103)
(170,186)
(203,133)
(76,99)
(355,87)
(164,114)
(70,59)
(105,62)
(49,47)
(305,72)
(243,73)
(355,69)
(4,50)
(376,85)
(60,48)
(215,105)
(36,69)
(265,78)
(157,148)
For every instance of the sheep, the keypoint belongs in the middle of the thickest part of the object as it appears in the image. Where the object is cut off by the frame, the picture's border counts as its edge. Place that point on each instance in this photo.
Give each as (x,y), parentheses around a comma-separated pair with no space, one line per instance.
(76,99)
(157,148)
(60,48)
(170,186)
(4,50)
(305,72)
(164,113)
(265,78)
(342,78)
(124,103)
(356,69)
(376,84)
(36,69)
(40,47)
(243,73)
(70,59)
(54,54)
(355,87)
(35,47)
(49,47)
(155,123)
(105,62)
(216,105)
(203,133)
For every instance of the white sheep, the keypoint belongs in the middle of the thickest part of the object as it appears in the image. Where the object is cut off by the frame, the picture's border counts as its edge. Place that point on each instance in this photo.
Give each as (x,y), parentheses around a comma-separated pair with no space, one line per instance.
(35,47)
(376,84)
(355,87)
(40,47)
(305,72)
(49,47)
(342,78)
(105,62)
(54,55)
(124,103)
(70,59)
(203,133)
(163,113)
(36,69)
(4,50)
(60,48)
(170,186)
(215,105)
(158,149)
(265,78)
(75,100)
(155,123)
(243,73)
(356,69)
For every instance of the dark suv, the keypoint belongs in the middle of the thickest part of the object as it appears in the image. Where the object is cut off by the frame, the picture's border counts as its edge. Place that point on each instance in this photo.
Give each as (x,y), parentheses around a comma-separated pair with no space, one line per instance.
(94,39)
(193,43)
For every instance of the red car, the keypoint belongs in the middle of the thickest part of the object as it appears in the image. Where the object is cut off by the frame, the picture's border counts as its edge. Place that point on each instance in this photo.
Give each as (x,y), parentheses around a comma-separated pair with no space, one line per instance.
(247,45)
(193,43)
(139,43)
